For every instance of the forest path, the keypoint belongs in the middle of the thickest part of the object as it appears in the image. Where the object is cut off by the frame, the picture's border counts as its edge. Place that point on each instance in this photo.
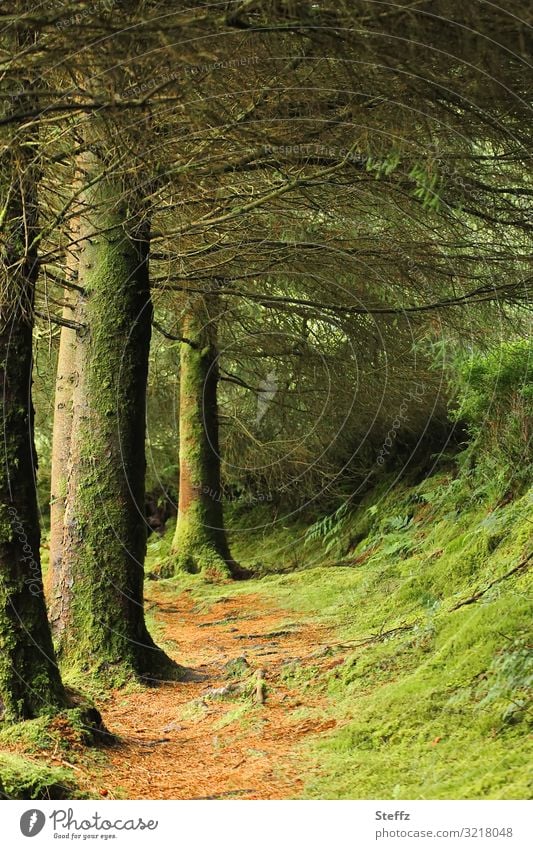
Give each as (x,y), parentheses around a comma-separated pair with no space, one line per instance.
(179,741)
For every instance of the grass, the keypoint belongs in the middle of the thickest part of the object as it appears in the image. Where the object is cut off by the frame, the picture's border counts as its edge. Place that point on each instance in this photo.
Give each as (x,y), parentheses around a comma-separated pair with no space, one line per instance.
(440,708)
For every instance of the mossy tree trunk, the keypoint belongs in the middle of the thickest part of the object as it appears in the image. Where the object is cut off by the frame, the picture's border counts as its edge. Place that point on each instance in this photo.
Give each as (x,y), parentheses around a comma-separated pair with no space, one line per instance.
(30,682)
(98,609)
(200,542)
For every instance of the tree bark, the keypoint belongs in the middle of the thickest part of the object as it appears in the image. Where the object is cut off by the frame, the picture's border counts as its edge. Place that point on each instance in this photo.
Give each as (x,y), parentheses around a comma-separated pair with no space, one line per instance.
(200,543)
(64,390)
(30,682)
(99,612)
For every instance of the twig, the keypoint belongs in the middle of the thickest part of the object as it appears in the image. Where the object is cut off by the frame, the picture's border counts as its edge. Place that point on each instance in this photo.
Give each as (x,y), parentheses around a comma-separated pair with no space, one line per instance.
(73,766)
(62,322)
(376,638)
(478,595)
(171,336)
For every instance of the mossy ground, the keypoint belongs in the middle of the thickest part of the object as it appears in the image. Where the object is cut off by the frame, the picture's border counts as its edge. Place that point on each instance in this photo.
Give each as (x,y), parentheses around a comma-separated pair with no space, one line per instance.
(39,757)
(441,707)
(21,778)
(428,701)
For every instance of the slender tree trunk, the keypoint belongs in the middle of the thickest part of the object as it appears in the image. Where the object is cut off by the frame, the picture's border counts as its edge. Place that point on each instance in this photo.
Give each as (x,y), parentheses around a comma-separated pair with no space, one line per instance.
(30,683)
(61,591)
(200,543)
(64,389)
(99,620)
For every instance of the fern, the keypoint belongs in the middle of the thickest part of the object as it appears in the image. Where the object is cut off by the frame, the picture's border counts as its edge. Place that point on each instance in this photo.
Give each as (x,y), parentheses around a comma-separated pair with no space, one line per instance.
(329,529)
(397,523)
(511,680)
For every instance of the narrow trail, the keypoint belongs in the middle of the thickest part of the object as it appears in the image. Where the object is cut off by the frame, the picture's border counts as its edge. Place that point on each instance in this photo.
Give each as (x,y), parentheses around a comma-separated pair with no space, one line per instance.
(179,741)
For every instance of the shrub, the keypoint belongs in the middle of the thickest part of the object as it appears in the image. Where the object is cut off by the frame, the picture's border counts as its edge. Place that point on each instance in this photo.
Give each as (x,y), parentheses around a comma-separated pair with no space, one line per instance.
(495,402)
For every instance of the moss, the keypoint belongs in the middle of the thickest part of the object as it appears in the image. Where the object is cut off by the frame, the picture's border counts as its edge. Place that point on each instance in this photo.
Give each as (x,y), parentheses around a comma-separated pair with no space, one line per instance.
(6,524)
(34,734)
(21,778)
(195,549)
(70,729)
(62,485)
(438,721)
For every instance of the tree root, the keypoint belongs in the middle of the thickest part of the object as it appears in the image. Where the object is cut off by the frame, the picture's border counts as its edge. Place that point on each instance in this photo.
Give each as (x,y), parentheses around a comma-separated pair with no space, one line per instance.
(204,561)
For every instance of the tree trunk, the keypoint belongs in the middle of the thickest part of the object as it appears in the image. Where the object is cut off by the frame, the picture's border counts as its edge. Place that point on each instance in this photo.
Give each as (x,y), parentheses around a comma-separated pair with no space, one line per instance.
(64,388)
(200,542)
(30,683)
(99,612)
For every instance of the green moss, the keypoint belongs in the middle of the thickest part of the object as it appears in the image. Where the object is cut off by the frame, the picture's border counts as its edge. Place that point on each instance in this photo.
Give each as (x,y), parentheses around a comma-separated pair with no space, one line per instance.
(61,488)
(195,556)
(6,525)
(21,778)
(442,737)
(34,735)
(69,731)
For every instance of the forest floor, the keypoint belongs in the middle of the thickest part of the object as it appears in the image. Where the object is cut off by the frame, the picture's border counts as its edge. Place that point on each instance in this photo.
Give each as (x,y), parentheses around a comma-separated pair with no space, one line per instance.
(397,665)
(187,740)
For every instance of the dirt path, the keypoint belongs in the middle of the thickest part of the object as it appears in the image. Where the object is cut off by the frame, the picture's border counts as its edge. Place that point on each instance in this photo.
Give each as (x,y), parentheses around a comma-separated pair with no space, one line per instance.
(179,741)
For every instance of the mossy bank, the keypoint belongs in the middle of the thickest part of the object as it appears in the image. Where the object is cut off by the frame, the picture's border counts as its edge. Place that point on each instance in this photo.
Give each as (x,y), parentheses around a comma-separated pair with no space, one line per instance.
(432,696)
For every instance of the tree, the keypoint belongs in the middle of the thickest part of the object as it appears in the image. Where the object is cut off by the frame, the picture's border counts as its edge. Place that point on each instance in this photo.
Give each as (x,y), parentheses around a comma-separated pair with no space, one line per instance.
(98,610)
(30,682)
(235,157)
(200,543)
(62,427)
